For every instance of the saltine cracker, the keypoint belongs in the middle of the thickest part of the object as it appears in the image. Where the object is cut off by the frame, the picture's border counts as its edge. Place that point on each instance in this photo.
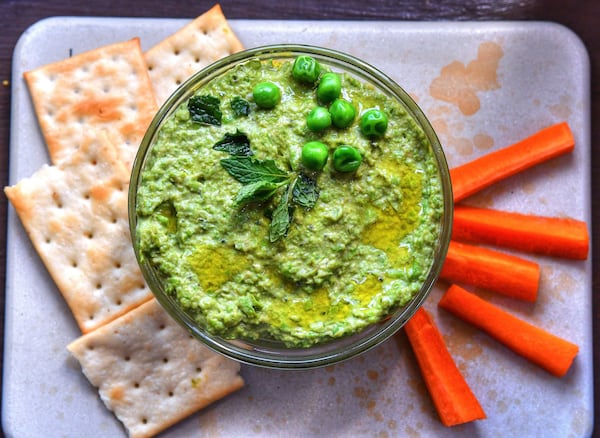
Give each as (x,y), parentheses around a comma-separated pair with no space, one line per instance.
(151,372)
(76,217)
(107,87)
(201,42)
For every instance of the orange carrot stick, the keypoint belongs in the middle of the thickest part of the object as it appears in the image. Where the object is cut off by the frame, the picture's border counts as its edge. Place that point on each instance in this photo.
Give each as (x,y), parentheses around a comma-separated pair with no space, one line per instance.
(544,349)
(451,395)
(475,175)
(492,270)
(553,236)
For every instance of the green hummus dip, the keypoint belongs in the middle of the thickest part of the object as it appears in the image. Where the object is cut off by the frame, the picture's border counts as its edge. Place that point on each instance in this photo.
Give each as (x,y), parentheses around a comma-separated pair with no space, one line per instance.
(363,250)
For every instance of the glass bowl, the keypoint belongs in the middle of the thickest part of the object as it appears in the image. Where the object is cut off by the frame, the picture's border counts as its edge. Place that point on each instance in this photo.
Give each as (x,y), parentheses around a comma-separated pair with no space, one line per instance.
(269,352)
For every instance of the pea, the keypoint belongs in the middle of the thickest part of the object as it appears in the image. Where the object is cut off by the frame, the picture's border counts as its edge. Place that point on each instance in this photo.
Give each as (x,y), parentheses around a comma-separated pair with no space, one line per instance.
(314,155)
(266,94)
(346,159)
(318,119)
(342,113)
(306,69)
(373,123)
(330,87)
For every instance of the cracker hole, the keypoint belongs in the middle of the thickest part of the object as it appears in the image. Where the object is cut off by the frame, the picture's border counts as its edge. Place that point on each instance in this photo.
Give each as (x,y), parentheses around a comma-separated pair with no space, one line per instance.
(197,60)
(118,302)
(74,264)
(127,359)
(136,385)
(114,220)
(89,235)
(91,318)
(198,369)
(171,394)
(142,286)
(145,420)
(117,265)
(161,327)
(48,240)
(150,67)
(56,199)
(165,360)
(98,285)
(178,82)
(176,52)
(86,195)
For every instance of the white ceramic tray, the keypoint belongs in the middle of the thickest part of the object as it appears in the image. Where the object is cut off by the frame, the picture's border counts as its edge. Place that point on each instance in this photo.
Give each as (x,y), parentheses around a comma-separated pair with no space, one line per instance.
(526,76)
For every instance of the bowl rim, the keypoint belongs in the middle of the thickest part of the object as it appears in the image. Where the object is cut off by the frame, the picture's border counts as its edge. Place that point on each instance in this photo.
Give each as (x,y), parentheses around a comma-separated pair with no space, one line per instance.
(235,349)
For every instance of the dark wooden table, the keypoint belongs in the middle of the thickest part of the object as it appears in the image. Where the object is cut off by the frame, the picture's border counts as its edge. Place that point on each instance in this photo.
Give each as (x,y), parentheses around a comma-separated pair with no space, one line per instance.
(581,16)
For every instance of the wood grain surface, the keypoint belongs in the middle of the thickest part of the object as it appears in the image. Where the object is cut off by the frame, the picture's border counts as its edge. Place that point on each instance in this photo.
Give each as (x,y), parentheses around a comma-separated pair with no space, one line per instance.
(583,17)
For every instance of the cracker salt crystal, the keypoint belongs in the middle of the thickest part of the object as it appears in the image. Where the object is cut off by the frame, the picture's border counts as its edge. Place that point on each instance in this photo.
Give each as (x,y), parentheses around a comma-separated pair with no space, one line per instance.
(193,47)
(76,217)
(150,372)
(107,87)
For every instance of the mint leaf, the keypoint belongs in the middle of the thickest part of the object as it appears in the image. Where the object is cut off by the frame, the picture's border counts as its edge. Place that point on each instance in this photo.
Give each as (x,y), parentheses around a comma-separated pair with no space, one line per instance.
(240,106)
(305,192)
(205,109)
(235,144)
(256,192)
(282,216)
(248,170)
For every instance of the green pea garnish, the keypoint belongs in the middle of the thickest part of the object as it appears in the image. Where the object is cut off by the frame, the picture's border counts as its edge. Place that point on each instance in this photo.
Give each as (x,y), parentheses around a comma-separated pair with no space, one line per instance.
(346,159)
(314,155)
(306,69)
(329,88)
(266,94)
(342,113)
(318,119)
(373,123)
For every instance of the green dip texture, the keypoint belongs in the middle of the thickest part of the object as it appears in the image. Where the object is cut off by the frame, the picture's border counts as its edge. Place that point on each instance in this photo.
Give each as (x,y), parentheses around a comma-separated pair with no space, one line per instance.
(363,250)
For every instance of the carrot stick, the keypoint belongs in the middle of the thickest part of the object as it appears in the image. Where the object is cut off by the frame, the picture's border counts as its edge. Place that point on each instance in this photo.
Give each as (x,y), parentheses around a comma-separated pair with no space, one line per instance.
(553,236)
(492,270)
(546,350)
(451,395)
(475,175)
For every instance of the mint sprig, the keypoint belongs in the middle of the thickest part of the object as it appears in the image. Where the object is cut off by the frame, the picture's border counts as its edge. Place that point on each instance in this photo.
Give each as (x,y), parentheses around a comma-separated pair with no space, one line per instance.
(263,179)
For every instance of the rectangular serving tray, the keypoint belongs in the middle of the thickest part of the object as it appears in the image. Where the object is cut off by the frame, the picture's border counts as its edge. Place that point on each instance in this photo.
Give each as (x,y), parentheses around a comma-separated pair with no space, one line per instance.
(515,78)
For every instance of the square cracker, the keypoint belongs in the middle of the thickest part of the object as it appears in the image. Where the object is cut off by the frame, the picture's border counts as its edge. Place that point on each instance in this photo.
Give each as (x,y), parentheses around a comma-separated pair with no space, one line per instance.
(107,87)
(151,372)
(196,45)
(76,217)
